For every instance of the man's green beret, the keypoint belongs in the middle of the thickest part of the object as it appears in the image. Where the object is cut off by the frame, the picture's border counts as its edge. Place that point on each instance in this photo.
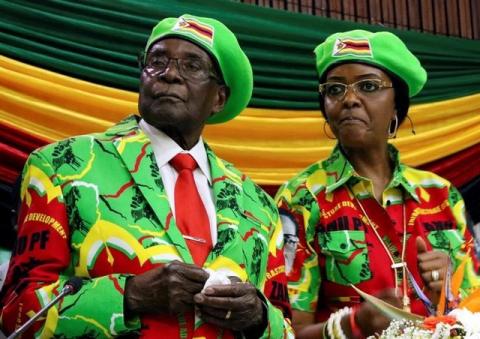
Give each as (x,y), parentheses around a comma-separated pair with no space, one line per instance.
(222,45)
(383,49)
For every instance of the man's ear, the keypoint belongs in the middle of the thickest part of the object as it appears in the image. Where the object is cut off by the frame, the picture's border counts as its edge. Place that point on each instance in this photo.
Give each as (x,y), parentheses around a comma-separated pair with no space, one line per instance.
(222,96)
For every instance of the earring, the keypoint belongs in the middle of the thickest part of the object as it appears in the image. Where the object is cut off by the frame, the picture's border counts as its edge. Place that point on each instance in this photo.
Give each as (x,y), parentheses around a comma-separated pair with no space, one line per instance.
(392,132)
(325,130)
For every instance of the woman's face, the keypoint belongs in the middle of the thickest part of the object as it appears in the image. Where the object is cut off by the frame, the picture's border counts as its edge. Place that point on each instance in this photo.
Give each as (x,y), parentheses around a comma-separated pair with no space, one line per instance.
(360,116)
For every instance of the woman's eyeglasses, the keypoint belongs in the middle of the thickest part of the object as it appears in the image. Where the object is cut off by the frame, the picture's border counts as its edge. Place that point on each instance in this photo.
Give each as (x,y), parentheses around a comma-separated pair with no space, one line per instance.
(365,88)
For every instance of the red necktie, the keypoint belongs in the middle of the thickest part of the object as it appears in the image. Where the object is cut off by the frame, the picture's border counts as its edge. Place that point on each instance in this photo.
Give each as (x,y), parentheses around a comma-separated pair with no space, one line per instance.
(190,213)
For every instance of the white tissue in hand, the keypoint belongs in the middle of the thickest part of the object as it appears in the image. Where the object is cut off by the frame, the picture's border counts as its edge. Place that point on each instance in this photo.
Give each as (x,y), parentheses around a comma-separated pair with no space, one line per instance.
(216,278)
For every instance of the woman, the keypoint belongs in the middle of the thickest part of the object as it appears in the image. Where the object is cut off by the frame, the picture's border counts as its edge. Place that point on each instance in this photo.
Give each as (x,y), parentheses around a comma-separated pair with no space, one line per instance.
(362,217)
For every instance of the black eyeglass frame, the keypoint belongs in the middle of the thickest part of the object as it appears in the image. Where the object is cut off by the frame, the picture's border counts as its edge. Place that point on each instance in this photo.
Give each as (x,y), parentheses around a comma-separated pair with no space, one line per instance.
(141,57)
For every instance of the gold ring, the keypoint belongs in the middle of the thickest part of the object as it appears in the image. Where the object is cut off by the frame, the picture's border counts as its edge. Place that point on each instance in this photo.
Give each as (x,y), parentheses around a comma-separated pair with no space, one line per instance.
(435,275)
(229,313)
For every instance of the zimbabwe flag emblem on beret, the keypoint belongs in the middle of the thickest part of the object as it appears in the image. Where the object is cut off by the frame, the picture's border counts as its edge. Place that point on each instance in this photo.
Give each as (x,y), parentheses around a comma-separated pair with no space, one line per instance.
(352,46)
(195,28)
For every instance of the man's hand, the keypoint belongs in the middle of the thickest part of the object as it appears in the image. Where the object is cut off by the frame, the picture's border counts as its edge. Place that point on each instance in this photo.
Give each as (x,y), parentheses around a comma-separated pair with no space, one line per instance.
(169,289)
(236,306)
(432,266)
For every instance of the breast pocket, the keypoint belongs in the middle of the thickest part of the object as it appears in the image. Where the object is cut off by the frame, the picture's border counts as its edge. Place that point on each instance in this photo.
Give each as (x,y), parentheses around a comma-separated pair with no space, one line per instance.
(446,240)
(346,255)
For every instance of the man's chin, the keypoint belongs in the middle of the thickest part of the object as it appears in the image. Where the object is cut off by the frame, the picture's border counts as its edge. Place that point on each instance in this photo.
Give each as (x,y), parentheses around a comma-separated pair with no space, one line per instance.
(162,120)
(164,112)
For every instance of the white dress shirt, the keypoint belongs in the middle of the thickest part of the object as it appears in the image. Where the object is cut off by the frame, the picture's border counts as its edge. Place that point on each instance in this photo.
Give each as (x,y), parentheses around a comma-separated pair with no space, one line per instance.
(165,149)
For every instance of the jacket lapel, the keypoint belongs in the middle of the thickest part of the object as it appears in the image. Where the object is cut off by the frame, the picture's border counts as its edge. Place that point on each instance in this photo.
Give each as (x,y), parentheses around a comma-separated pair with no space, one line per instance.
(136,152)
(228,192)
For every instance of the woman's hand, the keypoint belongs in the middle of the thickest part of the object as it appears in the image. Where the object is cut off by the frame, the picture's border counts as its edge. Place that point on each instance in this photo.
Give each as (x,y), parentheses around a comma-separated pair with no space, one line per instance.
(432,266)
(370,319)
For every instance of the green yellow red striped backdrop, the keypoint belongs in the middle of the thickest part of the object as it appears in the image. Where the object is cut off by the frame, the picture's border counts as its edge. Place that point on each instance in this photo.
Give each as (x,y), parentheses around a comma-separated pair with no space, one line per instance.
(270,145)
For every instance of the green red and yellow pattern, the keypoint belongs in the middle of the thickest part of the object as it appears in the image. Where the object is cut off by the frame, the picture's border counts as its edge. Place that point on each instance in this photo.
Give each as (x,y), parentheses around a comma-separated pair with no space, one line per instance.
(95,207)
(331,245)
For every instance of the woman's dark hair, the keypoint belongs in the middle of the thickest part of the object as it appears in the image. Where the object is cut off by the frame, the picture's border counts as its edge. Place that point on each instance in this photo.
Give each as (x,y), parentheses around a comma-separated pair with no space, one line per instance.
(402,101)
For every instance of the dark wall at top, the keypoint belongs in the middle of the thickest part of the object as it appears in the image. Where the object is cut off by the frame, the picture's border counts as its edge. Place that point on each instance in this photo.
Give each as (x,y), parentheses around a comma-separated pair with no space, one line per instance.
(459,18)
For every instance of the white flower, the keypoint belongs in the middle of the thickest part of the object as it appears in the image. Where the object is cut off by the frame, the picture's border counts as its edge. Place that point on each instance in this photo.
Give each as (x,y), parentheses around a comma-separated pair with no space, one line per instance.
(470,322)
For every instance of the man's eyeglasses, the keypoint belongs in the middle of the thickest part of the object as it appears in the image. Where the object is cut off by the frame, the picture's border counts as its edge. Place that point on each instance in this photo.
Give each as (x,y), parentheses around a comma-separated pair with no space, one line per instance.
(365,88)
(192,69)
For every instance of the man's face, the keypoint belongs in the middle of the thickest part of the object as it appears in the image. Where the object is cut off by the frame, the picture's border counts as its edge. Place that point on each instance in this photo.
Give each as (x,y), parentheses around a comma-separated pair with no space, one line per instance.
(174,96)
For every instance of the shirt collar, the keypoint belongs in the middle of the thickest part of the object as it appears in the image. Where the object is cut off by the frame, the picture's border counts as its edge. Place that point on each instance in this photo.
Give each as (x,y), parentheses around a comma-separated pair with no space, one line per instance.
(339,171)
(166,148)
(399,178)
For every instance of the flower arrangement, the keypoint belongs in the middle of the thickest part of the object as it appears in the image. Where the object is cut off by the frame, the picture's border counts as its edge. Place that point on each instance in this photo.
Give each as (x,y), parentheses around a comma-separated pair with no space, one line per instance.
(455,317)
(460,323)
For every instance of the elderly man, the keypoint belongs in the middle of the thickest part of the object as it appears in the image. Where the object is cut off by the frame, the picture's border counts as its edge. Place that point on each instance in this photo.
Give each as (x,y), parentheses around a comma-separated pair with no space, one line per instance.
(172,241)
